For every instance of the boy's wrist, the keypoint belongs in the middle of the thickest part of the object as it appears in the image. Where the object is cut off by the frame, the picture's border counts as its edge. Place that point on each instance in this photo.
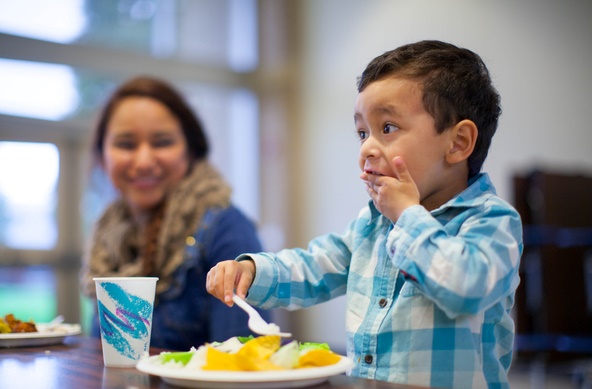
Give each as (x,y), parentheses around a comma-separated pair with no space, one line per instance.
(248,263)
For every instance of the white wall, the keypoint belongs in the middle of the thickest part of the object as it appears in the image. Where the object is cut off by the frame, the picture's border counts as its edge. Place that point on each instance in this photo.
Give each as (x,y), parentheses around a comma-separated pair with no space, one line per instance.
(540,57)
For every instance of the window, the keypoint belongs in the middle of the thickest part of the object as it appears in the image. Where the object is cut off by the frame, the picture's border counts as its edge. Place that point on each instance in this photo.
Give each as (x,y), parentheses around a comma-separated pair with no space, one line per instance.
(214,32)
(46,22)
(28,293)
(38,90)
(28,189)
(55,76)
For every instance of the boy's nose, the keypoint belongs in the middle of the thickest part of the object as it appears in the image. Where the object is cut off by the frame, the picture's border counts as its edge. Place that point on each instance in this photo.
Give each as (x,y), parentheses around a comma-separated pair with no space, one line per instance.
(369,148)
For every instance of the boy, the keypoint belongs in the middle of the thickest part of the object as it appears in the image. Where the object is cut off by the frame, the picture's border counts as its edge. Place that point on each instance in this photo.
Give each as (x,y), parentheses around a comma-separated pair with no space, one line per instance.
(430,266)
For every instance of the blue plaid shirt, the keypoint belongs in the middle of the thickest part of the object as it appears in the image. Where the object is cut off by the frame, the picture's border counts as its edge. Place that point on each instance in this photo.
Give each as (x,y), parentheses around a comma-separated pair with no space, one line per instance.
(428,298)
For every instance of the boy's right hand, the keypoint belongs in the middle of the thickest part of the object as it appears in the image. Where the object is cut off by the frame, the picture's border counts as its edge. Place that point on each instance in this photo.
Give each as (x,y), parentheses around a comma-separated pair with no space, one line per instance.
(226,276)
(392,195)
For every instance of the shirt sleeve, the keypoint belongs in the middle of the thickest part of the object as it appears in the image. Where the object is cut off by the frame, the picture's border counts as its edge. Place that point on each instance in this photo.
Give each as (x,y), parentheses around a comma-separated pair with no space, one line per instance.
(464,266)
(298,278)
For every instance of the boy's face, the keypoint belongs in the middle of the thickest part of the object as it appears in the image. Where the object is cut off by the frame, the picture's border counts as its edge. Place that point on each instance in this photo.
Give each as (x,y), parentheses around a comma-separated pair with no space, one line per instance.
(391,121)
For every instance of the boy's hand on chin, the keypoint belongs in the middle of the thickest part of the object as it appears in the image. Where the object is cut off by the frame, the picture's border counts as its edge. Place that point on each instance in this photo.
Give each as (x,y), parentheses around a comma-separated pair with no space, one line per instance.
(392,195)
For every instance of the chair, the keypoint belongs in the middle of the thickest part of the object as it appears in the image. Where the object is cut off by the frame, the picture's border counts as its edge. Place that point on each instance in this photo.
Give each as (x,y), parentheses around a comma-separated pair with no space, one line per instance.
(554,300)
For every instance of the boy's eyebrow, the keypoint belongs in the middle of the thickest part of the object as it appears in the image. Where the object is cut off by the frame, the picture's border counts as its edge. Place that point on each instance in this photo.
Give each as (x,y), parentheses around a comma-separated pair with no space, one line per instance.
(387,109)
(382,110)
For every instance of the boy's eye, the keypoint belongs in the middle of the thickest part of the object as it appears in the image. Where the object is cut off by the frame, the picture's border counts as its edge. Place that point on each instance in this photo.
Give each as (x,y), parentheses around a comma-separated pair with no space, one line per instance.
(362,135)
(389,128)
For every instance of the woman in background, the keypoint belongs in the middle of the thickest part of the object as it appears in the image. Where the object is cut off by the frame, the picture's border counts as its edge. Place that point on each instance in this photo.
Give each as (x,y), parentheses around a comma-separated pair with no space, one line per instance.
(173,218)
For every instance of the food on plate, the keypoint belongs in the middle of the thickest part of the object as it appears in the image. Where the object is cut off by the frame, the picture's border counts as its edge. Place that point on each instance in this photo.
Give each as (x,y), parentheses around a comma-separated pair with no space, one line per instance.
(12,325)
(262,353)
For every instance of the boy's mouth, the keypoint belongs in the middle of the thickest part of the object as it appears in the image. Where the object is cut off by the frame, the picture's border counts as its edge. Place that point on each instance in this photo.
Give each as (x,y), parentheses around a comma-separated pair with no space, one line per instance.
(373,172)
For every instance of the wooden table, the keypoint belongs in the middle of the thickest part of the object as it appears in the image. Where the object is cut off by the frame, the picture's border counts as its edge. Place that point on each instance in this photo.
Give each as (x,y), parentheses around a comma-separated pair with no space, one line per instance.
(78,364)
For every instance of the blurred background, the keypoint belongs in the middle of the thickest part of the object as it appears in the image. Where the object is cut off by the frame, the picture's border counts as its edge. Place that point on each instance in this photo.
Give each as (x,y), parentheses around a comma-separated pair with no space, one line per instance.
(274,82)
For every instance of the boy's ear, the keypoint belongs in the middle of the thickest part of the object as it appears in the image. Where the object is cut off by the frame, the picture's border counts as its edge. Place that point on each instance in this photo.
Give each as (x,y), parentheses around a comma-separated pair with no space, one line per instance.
(463,137)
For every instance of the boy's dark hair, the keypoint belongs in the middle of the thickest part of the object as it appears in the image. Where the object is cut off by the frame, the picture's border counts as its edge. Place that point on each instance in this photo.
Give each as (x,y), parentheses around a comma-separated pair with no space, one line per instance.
(165,93)
(456,86)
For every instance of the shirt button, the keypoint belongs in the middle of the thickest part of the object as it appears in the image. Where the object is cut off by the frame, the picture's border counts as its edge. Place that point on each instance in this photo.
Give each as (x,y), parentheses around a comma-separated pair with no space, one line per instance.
(382,302)
(368,359)
(190,241)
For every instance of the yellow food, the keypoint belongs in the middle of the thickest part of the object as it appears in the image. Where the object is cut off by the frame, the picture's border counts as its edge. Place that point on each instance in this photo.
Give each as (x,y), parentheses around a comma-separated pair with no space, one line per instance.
(219,360)
(263,353)
(316,358)
(253,356)
(4,328)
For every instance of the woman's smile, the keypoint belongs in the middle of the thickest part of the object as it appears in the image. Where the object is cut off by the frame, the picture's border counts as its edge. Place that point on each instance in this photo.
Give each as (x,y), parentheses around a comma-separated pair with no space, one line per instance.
(145,183)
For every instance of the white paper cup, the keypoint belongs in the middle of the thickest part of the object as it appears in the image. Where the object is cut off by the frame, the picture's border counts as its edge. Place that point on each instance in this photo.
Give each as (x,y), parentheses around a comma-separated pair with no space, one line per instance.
(125,306)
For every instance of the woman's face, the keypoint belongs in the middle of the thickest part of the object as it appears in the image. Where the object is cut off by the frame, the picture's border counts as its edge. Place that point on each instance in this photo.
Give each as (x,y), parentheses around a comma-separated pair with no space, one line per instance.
(145,152)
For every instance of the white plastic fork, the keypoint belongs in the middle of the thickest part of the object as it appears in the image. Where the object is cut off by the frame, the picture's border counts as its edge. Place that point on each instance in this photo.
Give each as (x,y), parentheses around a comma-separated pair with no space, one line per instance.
(55,322)
(256,322)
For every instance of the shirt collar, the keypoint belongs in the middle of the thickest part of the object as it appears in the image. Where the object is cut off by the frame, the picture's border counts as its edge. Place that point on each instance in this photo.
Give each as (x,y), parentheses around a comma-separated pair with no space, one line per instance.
(472,196)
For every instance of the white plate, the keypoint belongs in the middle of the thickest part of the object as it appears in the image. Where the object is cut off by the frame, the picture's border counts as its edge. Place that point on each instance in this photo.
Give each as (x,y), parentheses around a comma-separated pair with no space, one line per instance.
(43,337)
(296,378)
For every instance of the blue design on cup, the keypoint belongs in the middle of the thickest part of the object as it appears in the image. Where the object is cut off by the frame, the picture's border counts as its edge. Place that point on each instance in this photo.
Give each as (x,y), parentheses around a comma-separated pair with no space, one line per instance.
(132,317)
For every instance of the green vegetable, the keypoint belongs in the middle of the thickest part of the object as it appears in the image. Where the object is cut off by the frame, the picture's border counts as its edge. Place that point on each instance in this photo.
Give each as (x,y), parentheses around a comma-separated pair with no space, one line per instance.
(307,346)
(182,357)
(245,339)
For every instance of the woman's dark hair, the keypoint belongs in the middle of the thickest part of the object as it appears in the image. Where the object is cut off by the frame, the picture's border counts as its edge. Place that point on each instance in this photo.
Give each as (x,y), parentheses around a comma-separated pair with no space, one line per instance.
(456,86)
(163,92)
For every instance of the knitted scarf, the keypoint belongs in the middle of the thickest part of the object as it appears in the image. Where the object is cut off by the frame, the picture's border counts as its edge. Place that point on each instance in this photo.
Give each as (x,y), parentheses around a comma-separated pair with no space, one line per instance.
(115,247)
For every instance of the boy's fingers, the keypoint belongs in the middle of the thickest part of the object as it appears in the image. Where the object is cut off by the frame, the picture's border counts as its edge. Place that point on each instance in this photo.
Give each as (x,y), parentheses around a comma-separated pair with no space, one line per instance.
(243,286)
(211,281)
(228,282)
(401,169)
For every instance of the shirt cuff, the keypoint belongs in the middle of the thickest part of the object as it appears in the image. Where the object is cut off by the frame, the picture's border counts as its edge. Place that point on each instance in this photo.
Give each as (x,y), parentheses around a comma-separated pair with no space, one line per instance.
(404,232)
(266,276)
